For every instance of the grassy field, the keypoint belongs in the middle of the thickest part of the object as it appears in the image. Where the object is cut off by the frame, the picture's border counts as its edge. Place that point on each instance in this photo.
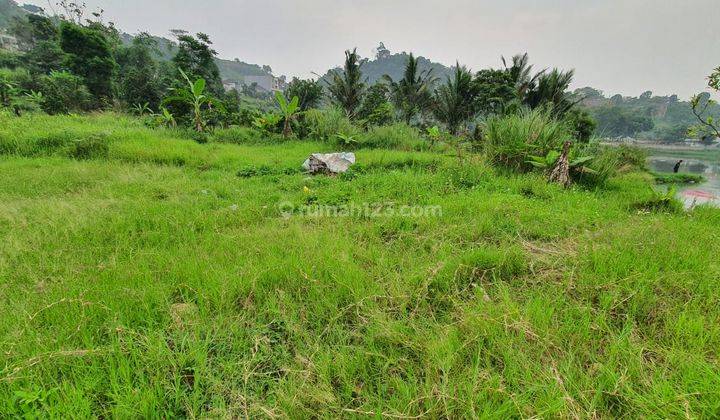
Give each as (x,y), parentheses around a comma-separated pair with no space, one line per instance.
(160,278)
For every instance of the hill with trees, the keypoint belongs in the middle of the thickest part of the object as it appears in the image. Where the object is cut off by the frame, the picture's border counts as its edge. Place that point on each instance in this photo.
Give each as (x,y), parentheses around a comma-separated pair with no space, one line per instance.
(393,64)
(647,117)
(165,48)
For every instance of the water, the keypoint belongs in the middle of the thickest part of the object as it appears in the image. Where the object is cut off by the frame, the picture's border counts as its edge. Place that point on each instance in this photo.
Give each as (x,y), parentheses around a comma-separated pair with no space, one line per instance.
(693,194)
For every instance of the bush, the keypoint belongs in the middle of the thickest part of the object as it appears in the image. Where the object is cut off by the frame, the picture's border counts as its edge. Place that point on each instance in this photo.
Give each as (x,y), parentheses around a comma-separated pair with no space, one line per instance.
(326,124)
(603,166)
(581,125)
(64,93)
(396,136)
(510,140)
(630,157)
(92,147)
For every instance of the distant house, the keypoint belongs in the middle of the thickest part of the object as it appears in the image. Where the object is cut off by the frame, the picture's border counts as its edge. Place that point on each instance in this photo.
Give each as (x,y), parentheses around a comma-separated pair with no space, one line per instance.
(229,85)
(8,42)
(266,82)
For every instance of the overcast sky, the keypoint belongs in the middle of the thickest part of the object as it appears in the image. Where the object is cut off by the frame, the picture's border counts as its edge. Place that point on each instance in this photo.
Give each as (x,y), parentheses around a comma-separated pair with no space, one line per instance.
(618,46)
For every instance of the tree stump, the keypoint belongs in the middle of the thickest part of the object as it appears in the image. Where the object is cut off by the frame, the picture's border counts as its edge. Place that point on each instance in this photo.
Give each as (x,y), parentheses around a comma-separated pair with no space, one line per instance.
(561,171)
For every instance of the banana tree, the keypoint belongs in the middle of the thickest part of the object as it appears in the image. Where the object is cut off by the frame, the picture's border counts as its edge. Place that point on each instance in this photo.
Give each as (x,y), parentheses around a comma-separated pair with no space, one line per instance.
(194,95)
(289,111)
(166,118)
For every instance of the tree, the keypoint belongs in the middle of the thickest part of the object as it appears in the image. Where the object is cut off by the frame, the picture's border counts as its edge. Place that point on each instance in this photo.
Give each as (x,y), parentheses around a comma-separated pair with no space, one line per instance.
(89,56)
(289,111)
(581,124)
(63,93)
(413,93)
(701,103)
(139,79)
(614,121)
(541,89)
(38,37)
(196,59)
(346,88)
(381,52)
(551,91)
(521,74)
(455,100)
(375,108)
(495,89)
(309,91)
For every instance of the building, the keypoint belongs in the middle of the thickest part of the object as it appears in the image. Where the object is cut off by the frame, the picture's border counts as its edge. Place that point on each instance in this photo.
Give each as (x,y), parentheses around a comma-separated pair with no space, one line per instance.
(266,82)
(229,85)
(8,42)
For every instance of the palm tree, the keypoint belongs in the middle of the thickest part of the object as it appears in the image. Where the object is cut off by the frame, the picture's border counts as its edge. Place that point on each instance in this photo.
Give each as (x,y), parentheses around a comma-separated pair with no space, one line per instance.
(521,74)
(544,88)
(347,87)
(552,92)
(454,100)
(412,94)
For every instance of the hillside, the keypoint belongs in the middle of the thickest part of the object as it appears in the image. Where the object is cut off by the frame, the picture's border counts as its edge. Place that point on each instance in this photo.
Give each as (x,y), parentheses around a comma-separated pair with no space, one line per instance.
(663,118)
(229,69)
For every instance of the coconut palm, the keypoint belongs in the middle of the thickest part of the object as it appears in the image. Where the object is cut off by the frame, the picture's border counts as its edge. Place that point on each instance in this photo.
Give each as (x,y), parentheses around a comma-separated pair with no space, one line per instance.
(347,87)
(413,93)
(521,73)
(552,92)
(454,100)
(542,89)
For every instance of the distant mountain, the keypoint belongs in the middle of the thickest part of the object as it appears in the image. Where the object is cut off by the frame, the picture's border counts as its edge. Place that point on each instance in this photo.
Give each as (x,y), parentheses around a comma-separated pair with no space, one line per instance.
(394,66)
(229,69)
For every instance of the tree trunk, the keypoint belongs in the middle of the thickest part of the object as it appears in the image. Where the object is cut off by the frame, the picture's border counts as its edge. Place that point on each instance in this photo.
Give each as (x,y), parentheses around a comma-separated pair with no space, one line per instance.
(561,171)
(287,130)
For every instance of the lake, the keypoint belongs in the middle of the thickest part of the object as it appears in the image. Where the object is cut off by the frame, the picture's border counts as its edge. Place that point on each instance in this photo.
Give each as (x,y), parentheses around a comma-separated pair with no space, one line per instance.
(694,163)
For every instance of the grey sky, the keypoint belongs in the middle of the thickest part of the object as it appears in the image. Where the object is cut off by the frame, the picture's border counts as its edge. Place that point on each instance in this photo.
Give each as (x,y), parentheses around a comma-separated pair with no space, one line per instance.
(618,46)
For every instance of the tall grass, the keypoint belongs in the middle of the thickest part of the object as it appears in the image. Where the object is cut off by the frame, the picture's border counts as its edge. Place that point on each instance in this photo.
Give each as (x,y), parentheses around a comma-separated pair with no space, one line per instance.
(396,136)
(510,140)
(326,124)
(132,287)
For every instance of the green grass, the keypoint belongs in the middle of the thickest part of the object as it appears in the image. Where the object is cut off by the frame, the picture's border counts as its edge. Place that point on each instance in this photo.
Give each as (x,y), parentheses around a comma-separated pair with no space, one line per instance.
(156,282)
(679,178)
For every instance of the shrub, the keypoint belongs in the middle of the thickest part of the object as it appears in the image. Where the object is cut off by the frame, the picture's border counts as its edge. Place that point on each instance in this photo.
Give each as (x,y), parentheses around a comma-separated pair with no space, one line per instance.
(510,140)
(91,147)
(326,124)
(581,124)
(64,93)
(630,157)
